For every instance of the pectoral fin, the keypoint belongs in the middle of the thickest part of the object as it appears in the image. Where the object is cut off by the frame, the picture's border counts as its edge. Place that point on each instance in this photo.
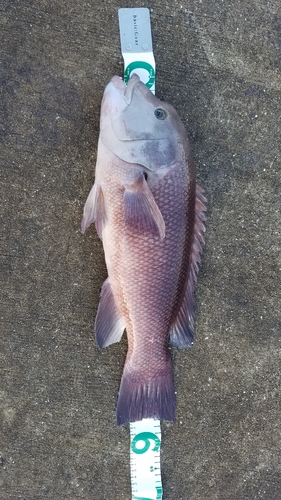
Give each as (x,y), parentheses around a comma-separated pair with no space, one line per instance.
(94,210)
(109,324)
(141,211)
(181,334)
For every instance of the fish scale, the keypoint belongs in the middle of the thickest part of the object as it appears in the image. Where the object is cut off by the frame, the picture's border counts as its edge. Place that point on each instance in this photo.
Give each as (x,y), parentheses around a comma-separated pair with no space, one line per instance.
(148,317)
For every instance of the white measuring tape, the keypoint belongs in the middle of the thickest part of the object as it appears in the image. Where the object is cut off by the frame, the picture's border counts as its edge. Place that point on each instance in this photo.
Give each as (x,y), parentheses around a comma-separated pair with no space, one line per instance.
(137,52)
(145,460)
(136,45)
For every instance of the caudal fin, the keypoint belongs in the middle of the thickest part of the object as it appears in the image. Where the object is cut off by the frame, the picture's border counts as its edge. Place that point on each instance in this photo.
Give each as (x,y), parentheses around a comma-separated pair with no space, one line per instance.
(150,398)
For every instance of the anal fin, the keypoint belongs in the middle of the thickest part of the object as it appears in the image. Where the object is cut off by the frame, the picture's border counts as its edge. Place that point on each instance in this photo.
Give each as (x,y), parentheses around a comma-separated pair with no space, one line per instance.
(182,331)
(109,324)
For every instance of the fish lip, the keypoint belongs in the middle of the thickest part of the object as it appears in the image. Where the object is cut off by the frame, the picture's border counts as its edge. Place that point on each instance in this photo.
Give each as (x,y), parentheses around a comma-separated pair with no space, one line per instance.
(126,90)
(128,94)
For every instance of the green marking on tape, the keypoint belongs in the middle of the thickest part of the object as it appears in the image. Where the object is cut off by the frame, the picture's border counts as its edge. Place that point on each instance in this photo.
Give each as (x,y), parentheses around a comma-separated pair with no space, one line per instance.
(145,437)
(140,65)
(159,491)
(141,498)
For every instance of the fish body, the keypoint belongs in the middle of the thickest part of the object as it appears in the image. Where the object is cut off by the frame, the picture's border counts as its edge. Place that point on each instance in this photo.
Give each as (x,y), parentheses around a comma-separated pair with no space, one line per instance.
(150,215)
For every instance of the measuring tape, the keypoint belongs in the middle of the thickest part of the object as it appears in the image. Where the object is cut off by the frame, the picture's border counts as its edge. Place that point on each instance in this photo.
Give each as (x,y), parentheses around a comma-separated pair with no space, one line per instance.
(145,459)
(137,52)
(136,45)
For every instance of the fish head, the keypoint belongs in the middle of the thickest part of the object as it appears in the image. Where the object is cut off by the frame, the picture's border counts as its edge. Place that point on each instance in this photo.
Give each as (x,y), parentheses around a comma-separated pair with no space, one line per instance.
(139,128)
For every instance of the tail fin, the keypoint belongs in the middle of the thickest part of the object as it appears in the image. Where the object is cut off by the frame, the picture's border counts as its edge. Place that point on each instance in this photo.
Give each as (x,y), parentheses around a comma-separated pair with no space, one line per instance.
(150,398)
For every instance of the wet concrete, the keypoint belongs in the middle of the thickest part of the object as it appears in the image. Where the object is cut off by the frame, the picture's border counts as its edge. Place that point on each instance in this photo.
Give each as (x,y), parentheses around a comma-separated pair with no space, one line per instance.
(219,64)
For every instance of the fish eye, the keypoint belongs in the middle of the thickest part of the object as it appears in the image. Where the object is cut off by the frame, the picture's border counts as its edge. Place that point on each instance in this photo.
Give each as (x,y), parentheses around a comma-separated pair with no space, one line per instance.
(160,114)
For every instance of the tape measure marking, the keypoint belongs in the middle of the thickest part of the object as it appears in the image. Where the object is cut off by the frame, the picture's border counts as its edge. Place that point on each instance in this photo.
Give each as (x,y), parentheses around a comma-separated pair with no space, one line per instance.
(149,72)
(136,45)
(145,460)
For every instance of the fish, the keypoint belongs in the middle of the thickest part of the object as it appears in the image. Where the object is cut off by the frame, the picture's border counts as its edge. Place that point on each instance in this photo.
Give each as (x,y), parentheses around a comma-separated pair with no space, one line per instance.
(150,214)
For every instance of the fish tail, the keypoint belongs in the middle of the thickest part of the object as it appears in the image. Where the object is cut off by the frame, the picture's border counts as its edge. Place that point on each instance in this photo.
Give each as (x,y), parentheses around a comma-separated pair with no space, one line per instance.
(146,398)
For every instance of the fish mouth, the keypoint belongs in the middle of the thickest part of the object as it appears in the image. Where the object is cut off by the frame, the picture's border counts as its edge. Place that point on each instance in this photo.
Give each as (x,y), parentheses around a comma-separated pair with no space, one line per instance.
(127,90)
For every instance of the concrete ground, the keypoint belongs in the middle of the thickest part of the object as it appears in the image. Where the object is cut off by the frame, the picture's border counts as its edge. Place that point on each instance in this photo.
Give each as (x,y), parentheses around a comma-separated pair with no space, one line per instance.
(219,64)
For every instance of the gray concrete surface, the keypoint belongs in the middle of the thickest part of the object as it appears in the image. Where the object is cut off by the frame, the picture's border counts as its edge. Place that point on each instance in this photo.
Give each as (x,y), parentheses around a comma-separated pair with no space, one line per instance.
(219,64)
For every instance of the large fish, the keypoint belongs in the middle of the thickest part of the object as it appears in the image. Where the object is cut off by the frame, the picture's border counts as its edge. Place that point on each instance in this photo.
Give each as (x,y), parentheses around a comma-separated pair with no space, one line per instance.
(149,213)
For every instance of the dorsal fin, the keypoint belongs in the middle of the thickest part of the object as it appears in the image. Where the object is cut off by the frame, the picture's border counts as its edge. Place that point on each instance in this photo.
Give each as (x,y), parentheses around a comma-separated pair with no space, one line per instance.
(181,334)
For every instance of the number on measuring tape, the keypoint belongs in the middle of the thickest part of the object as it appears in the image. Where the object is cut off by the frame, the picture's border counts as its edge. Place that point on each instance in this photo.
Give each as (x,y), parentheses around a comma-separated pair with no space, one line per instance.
(145,460)
(145,437)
